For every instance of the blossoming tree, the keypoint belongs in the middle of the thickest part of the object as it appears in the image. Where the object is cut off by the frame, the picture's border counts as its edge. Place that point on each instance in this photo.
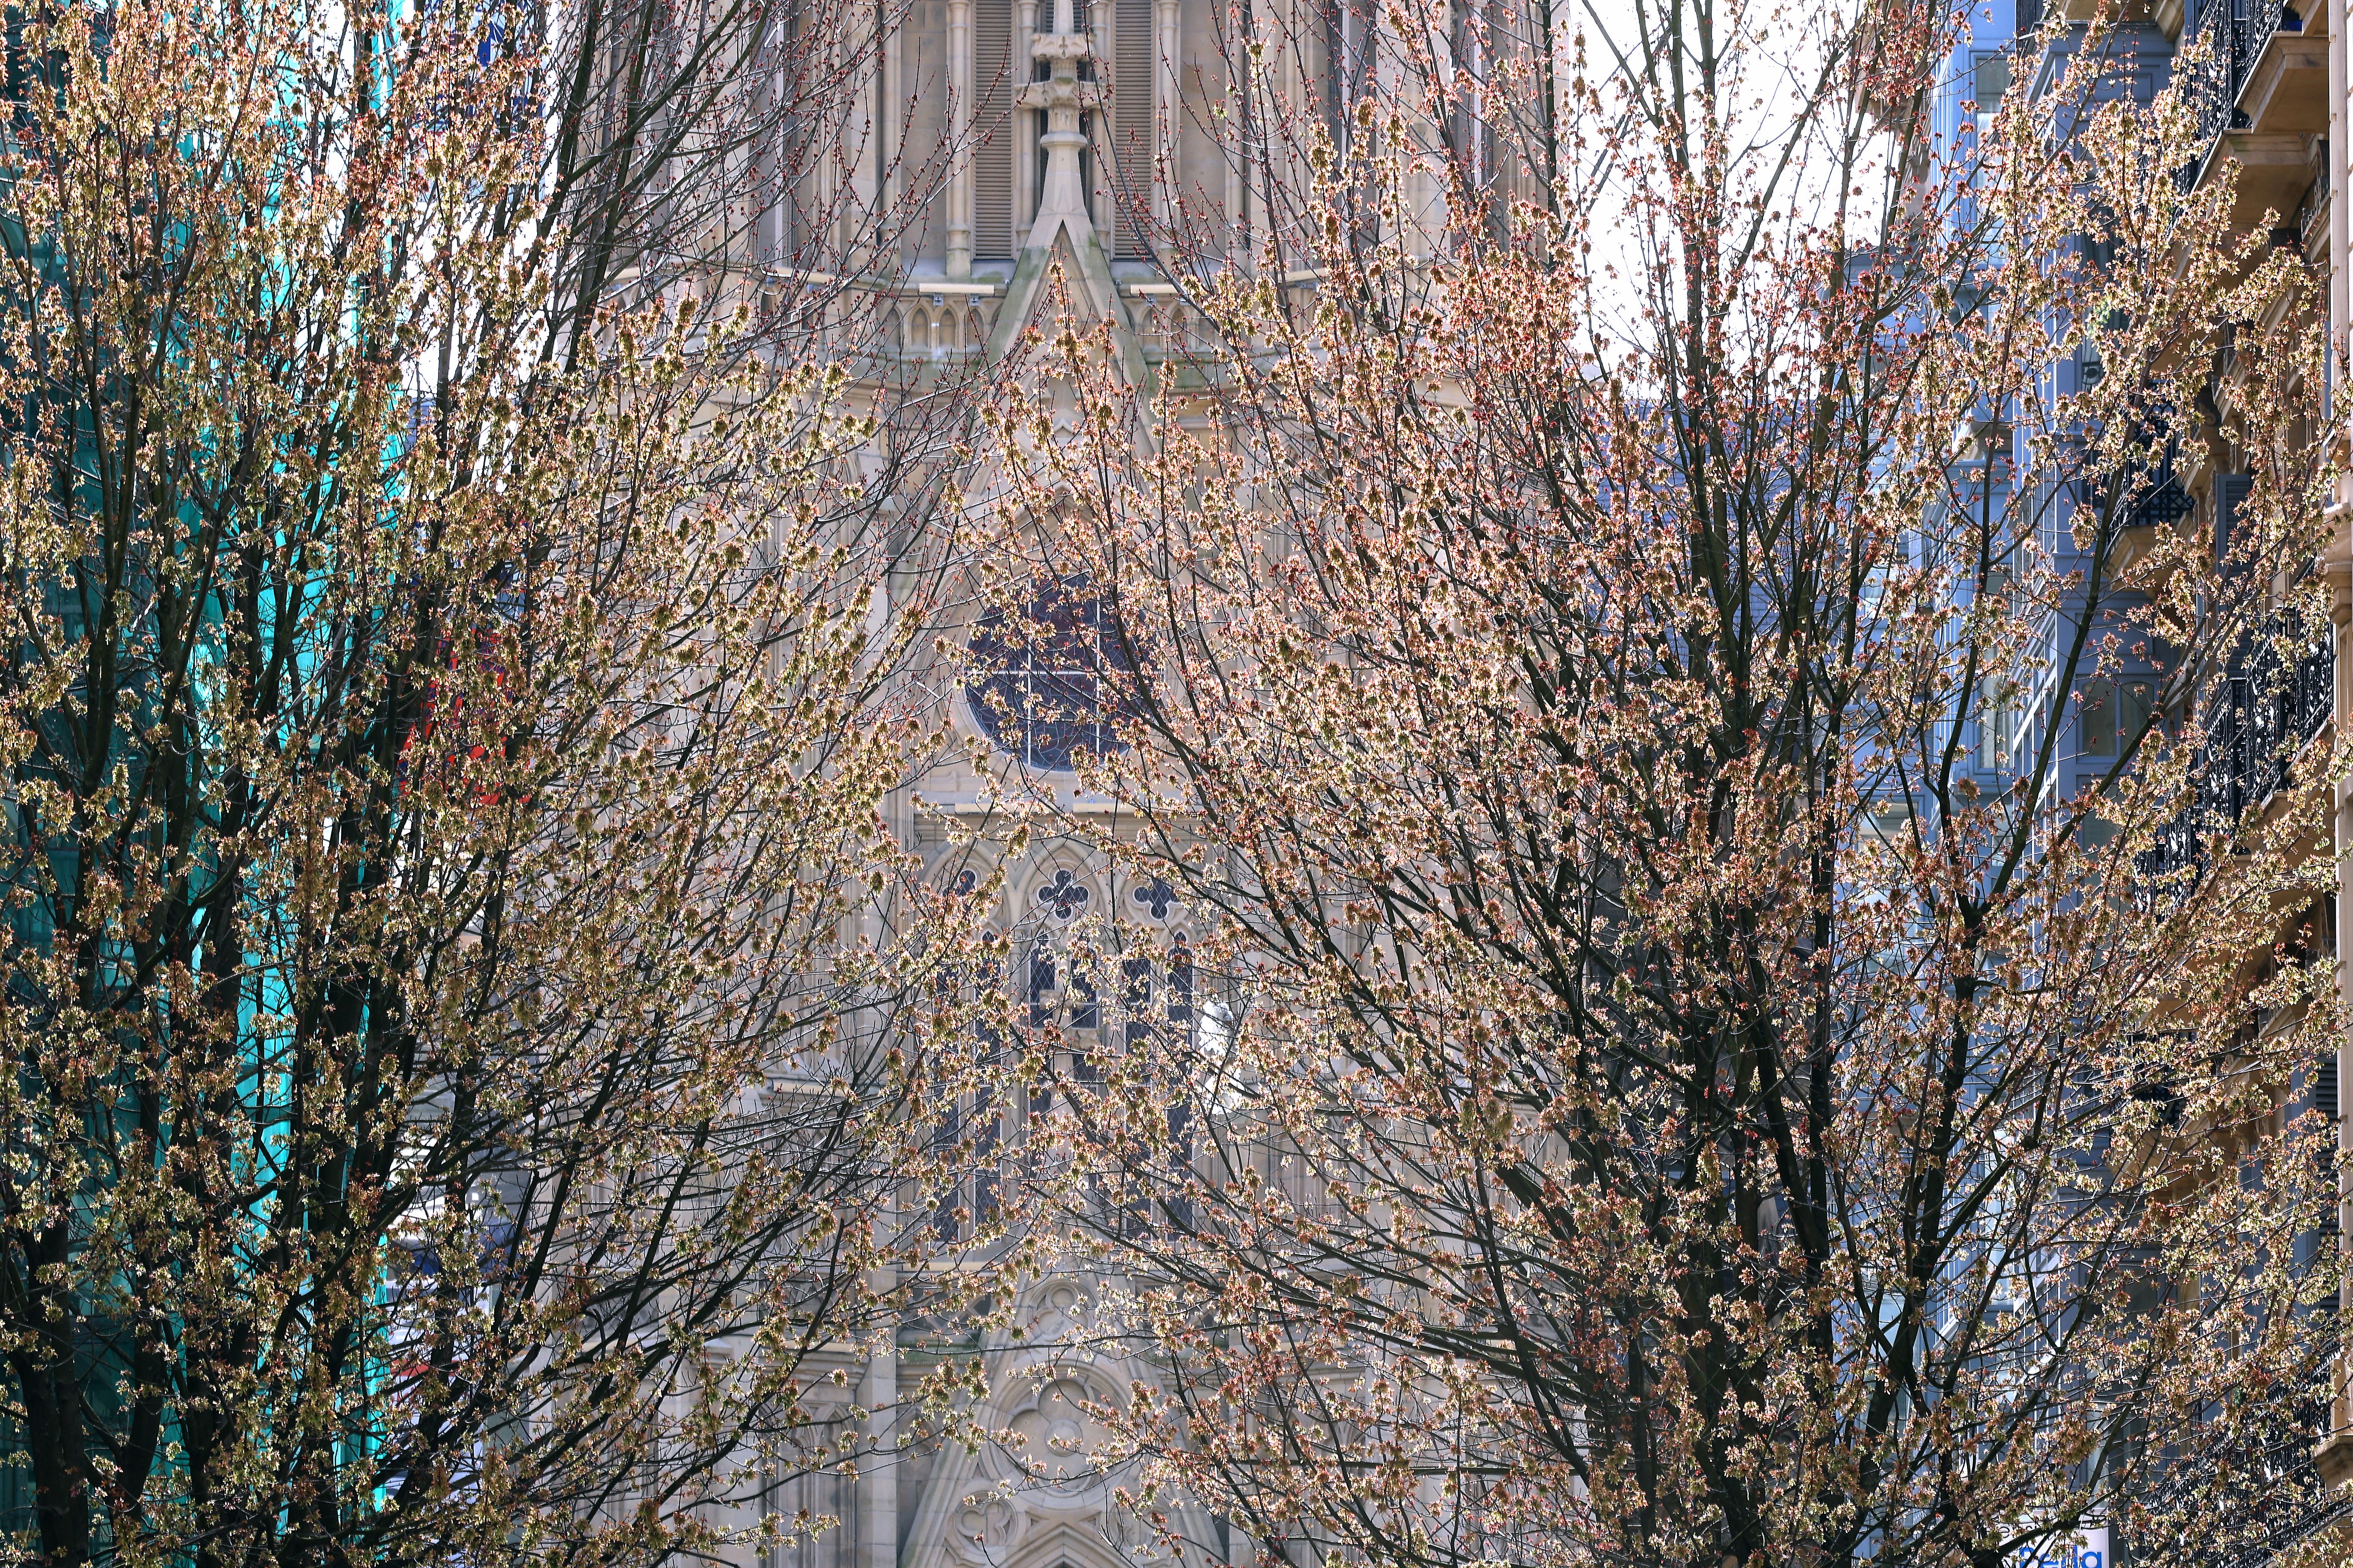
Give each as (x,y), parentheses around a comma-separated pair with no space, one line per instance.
(1740,1019)
(444,732)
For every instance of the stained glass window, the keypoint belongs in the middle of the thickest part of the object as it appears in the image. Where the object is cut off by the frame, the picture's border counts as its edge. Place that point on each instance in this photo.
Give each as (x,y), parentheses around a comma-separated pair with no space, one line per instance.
(1050,682)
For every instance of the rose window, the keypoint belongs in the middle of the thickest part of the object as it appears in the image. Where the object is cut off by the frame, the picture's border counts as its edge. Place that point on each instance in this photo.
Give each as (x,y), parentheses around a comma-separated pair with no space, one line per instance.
(1050,680)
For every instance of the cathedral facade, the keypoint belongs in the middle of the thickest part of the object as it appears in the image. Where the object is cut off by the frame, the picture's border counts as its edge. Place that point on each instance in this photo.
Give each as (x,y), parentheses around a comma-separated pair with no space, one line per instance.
(1045,153)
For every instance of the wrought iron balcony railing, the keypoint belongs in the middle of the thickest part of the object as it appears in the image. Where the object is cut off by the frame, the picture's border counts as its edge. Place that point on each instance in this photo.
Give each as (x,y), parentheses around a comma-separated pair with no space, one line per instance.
(2290,696)
(2270,704)
(2234,33)
(2153,496)
(2271,1492)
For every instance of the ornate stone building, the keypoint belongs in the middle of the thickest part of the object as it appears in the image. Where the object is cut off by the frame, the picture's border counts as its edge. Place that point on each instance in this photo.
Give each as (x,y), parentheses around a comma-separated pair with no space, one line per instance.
(1058,138)
(1054,129)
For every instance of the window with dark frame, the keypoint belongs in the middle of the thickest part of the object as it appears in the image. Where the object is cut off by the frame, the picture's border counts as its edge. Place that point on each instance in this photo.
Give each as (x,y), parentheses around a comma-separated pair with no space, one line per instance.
(1050,683)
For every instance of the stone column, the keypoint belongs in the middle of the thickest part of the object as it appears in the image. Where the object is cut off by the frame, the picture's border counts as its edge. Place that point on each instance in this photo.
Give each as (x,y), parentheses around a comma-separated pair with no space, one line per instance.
(878,1470)
(859,214)
(961,87)
(1167,122)
(1025,163)
(1236,156)
(891,118)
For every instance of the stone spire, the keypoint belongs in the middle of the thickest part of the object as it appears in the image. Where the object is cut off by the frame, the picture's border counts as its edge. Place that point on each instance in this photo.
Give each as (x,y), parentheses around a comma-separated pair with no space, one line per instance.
(1062,200)
(1064,240)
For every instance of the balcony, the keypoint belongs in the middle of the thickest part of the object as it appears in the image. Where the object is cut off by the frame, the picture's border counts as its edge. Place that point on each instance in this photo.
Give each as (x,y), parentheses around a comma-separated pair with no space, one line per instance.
(2150,504)
(2261,96)
(2152,496)
(2274,1488)
(2261,715)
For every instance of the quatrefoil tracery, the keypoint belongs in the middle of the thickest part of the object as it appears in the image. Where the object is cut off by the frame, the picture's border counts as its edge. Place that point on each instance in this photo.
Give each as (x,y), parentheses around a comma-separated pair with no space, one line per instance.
(1063,897)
